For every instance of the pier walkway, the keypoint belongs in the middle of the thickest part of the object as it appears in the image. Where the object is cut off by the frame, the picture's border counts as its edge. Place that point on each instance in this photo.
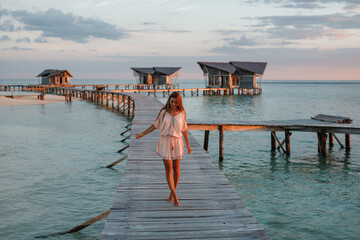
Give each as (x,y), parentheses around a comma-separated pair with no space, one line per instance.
(209,208)
(325,131)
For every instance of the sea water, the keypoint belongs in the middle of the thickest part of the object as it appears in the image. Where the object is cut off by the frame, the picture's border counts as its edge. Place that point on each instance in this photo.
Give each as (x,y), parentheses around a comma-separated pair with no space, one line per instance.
(53,159)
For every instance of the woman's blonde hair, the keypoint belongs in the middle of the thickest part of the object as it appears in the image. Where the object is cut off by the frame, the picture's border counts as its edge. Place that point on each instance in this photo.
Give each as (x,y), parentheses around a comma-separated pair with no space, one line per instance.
(167,106)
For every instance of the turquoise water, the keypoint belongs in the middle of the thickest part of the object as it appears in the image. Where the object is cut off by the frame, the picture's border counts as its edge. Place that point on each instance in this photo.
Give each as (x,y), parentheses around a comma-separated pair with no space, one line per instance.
(53,159)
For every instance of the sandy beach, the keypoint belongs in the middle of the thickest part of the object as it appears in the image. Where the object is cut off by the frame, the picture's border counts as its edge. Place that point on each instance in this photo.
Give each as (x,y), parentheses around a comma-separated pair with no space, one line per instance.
(30,99)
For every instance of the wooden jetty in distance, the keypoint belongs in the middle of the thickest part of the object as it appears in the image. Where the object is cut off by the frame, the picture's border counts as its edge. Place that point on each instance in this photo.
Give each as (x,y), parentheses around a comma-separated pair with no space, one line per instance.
(324,130)
(209,208)
(150,89)
(197,91)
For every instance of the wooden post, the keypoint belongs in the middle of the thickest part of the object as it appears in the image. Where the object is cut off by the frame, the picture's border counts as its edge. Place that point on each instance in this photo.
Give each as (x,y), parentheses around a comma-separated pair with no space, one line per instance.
(124,105)
(118,102)
(322,143)
(133,108)
(206,140)
(116,162)
(331,140)
(112,100)
(87,223)
(347,142)
(287,142)
(221,143)
(129,106)
(273,141)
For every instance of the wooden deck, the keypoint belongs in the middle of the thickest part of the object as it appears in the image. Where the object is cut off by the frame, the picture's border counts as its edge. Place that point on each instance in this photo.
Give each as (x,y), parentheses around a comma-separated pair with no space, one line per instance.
(324,130)
(209,208)
(196,91)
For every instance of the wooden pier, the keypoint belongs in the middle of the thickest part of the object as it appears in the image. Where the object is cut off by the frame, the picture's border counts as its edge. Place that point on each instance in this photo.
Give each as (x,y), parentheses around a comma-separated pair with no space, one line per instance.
(324,130)
(209,208)
(197,91)
(149,89)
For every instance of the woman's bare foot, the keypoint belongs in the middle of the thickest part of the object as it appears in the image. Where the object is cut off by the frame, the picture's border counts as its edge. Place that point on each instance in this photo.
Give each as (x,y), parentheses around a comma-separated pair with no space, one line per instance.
(176,201)
(171,198)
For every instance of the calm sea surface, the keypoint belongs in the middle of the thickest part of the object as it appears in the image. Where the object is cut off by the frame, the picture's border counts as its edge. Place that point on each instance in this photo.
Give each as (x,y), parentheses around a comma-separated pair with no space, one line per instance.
(53,158)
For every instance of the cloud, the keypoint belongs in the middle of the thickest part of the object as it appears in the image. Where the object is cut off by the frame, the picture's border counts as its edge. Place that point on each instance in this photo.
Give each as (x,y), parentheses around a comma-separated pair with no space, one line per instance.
(341,57)
(40,40)
(25,39)
(329,20)
(7,26)
(310,4)
(19,49)
(3,12)
(243,41)
(183,8)
(149,23)
(302,5)
(5,38)
(334,26)
(352,7)
(228,31)
(283,43)
(55,23)
(310,1)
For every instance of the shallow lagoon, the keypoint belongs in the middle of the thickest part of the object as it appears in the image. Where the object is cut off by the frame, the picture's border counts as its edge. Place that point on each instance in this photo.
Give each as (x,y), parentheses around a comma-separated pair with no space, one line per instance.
(53,159)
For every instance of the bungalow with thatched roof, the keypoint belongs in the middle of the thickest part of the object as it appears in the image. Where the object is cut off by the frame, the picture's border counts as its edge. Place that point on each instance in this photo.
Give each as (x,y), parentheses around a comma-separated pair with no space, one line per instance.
(54,76)
(232,74)
(156,75)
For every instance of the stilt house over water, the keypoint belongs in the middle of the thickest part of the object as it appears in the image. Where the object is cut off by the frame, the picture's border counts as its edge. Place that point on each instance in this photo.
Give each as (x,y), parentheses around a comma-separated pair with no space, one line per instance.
(233,74)
(55,77)
(156,75)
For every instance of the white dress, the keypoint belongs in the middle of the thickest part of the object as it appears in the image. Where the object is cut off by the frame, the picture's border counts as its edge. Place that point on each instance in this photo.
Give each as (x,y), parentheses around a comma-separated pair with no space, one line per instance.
(171,145)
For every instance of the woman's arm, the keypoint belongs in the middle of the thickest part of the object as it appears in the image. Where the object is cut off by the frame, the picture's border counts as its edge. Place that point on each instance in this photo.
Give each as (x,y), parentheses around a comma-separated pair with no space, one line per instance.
(147,131)
(186,137)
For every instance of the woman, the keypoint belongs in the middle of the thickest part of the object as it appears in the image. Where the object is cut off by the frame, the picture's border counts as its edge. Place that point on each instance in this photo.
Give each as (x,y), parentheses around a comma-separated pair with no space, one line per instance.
(171,121)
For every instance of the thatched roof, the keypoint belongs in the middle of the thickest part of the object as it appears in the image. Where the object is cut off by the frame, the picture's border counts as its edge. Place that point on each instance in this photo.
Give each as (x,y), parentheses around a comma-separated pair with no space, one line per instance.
(255,67)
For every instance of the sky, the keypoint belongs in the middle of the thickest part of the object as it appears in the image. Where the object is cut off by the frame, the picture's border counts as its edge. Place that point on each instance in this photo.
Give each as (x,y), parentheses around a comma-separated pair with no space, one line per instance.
(299,39)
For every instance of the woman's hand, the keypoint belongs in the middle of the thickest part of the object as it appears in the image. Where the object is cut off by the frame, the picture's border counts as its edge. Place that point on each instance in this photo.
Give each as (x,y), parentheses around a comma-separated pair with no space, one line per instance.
(140,135)
(189,149)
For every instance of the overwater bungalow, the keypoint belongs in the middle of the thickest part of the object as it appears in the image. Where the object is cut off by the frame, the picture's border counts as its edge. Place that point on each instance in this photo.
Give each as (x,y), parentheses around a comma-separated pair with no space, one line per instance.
(233,74)
(156,75)
(55,77)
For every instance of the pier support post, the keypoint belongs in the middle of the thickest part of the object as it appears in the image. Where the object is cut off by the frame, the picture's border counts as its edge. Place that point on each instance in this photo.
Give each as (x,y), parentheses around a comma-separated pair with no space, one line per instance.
(124,105)
(331,140)
(322,143)
(221,143)
(206,140)
(112,100)
(273,141)
(118,102)
(347,142)
(129,105)
(287,142)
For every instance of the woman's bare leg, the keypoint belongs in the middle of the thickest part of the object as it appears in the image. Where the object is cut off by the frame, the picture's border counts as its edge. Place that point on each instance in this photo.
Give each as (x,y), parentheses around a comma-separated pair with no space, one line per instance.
(176,174)
(170,180)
